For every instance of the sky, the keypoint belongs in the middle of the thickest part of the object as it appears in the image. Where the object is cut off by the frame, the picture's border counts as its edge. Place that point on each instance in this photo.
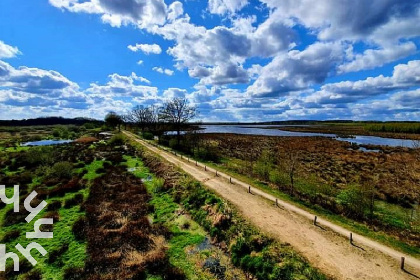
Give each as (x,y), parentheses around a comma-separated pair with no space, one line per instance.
(236,60)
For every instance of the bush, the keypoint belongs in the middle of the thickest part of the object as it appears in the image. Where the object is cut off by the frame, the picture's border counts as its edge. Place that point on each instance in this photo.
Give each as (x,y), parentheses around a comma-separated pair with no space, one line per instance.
(117,140)
(54,205)
(75,200)
(61,170)
(147,135)
(79,229)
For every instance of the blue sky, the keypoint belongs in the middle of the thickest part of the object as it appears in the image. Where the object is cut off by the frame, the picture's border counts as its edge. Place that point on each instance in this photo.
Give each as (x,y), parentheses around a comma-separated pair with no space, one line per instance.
(236,60)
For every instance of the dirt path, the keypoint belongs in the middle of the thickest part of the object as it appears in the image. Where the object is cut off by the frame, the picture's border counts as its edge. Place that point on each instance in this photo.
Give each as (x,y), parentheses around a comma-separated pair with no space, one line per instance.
(326,246)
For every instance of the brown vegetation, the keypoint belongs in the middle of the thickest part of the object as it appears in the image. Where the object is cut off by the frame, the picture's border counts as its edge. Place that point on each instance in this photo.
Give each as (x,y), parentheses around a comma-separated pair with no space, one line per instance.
(122,242)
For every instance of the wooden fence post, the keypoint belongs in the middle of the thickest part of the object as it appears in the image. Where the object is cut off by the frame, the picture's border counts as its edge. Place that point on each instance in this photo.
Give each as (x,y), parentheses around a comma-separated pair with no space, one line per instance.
(315,220)
(230,180)
(249,189)
(205,168)
(277,202)
(402,263)
(216,173)
(351,238)
(196,163)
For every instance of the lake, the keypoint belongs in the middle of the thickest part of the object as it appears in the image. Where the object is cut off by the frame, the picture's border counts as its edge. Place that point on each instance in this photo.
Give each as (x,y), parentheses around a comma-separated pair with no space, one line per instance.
(46,142)
(262,130)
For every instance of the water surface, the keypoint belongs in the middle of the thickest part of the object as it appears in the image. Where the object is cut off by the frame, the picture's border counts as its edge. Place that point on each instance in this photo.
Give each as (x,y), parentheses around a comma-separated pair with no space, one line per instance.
(263,130)
(46,142)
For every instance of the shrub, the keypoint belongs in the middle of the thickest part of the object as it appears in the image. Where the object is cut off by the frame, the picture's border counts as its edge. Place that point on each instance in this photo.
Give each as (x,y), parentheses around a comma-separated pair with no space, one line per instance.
(79,228)
(158,184)
(147,135)
(54,205)
(117,140)
(75,200)
(61,170)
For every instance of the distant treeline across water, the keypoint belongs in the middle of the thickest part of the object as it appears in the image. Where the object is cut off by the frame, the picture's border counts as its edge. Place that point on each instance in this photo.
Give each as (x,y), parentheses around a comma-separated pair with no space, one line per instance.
(48,121)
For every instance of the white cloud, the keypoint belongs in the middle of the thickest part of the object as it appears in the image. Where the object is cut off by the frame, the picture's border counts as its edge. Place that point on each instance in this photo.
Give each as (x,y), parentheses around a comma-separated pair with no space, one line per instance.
(222,7)
(175,10)
(140,62)
(372,58)
(7,51)
(405,76)
(146,48)
(171,93)
(123,86)
(296,70)
(163,71)
(141,13)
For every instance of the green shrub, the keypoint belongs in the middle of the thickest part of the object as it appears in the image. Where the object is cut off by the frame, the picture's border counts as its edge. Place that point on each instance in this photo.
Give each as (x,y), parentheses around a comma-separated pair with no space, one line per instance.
(147,135)
(117,140)
(157,184)
(61,170)
(279,178)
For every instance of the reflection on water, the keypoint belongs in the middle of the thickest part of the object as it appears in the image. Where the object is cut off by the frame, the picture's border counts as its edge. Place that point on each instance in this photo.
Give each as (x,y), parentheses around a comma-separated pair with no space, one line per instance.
(46,142)
(258,130)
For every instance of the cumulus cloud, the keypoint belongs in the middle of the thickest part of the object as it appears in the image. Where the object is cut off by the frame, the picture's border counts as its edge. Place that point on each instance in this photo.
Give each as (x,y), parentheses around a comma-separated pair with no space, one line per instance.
(348,19)
(171,93)
(146,48)
(165,71)
(34,80)
(297,70)
(373,58)
(123,86)
(405,76)
(142,13)
(7,51)
(222,7)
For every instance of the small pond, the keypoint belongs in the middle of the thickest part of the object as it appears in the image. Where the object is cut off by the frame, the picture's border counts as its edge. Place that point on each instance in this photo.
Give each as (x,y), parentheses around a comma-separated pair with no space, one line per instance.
(46,143)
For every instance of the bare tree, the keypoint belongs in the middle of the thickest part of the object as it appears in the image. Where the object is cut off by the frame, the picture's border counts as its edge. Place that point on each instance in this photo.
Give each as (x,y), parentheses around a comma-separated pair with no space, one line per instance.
(177,112)
(139,116)
(290,156)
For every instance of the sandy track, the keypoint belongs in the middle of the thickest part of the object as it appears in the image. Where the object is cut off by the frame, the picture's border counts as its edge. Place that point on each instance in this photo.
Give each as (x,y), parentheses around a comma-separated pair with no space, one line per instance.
(326,246)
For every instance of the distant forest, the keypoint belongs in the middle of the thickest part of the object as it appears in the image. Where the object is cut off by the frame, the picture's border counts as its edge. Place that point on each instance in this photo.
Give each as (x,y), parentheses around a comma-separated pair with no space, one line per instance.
(48,121)
(81,121)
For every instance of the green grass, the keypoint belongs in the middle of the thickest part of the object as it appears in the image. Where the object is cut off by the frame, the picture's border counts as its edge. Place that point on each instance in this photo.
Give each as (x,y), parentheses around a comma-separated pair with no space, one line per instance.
(92,170)
(165,212)
(74,257)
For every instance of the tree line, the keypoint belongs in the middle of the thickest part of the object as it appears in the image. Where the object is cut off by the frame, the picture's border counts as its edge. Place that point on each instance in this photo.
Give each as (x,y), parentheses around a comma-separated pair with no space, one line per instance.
(173,115)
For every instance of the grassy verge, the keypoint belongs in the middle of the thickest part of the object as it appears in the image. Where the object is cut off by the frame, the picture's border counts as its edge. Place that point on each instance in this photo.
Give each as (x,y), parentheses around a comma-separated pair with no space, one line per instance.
(347,223)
